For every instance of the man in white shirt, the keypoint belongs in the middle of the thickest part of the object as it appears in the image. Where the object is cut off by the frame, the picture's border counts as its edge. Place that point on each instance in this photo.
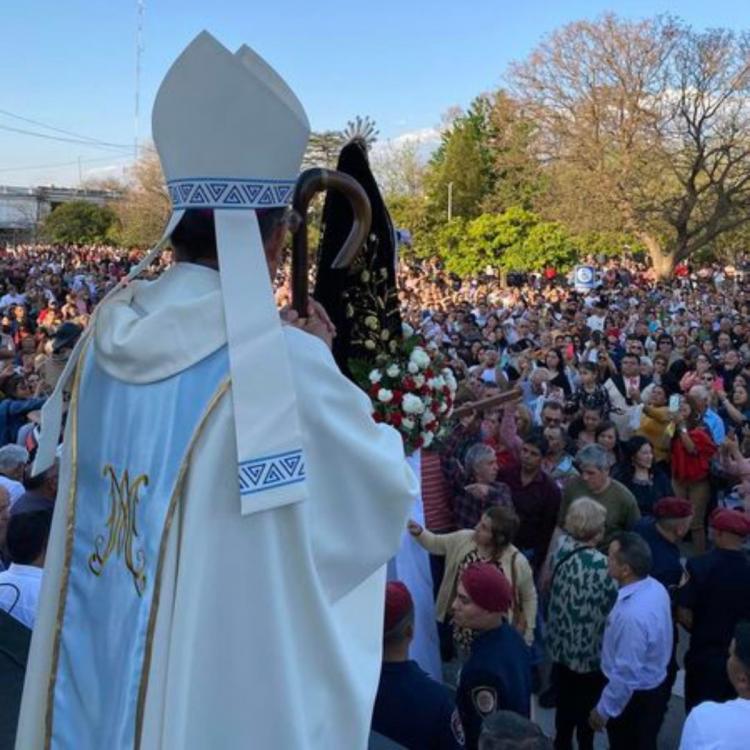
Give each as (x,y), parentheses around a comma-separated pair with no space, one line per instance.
(20,584)
(13,460)
(724,726)
(12,298)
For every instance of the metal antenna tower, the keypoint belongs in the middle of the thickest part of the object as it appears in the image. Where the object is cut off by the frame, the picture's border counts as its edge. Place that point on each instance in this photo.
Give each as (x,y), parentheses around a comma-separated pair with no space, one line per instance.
(138,51)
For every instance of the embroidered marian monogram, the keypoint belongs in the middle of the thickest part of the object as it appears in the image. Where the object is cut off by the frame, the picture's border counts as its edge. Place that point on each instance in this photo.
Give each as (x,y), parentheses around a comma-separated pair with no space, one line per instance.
(122,528)
(229,193)
(268,473)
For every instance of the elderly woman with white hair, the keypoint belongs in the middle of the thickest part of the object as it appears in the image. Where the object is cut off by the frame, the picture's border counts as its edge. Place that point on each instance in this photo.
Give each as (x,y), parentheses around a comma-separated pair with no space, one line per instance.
(581,596)
(13,460)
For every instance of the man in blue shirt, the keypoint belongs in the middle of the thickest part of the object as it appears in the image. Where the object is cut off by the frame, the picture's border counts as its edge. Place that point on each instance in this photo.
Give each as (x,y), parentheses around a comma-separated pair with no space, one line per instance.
(636,650)
(411,708)
(497,674)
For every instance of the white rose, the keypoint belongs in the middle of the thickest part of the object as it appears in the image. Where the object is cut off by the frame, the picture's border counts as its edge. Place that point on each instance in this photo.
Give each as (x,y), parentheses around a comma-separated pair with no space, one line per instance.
(412,404)
(420,358)
(407,424)
(427,417)
(412,367)
(443,408)
(432,347)
(369,344)
(385,395)
(436,383)
(407,330)
(393,371)
(371,322)
(419,380)
(376,376)
(427,437)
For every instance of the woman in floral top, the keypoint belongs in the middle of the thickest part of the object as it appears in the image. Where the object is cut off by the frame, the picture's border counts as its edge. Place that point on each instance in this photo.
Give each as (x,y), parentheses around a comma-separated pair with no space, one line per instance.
(581,596)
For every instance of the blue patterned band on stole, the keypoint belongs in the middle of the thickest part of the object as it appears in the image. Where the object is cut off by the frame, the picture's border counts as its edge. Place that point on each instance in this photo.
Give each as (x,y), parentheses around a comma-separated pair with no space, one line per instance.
(270,472)
(218,192)
(132,442)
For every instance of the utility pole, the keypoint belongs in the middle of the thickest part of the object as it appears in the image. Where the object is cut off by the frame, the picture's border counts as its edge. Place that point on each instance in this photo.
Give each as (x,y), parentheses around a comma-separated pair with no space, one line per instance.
(138,51)
(450,201)
(80,173)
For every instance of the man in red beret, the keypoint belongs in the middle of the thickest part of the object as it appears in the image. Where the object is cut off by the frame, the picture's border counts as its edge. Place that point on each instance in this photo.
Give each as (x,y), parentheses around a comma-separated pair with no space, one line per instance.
(497,674)
(411,708)
(662,532)
(714,598)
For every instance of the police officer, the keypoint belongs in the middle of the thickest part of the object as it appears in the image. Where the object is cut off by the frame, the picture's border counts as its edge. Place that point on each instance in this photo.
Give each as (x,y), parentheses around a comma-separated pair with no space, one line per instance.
(662,532)
(411,708)
(497,674)
(714,598)
(668,526)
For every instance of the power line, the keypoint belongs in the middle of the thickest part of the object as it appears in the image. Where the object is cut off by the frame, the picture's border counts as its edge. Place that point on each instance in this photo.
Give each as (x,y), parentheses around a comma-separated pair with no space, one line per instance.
(78,141)
(64,164)
(48,127)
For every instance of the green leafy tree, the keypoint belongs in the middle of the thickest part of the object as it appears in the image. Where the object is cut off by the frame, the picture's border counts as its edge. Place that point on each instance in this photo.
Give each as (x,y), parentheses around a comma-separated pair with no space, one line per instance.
(79,223)
(546,244)
(461,171)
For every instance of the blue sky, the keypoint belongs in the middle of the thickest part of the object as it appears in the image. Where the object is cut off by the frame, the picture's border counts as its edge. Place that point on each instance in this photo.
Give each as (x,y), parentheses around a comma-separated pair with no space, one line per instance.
(71,63)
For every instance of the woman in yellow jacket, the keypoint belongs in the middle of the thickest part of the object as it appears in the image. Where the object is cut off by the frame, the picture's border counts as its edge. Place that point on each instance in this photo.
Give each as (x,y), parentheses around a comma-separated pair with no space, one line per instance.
(490,541)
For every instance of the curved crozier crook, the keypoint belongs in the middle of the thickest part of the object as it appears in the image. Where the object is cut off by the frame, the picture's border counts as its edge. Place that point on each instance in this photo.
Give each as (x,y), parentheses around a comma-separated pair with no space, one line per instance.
(310,182)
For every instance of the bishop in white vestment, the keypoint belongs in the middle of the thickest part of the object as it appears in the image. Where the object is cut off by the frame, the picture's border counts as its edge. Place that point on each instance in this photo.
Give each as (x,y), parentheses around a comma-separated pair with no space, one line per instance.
(199,592)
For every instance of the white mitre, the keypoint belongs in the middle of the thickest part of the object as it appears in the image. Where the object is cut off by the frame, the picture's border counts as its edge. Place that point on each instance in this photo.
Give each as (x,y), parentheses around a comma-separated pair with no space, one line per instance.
(231,136)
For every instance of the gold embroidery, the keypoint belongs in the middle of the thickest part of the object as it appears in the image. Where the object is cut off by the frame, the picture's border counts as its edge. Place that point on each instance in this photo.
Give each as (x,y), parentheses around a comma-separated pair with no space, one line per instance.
(122,527)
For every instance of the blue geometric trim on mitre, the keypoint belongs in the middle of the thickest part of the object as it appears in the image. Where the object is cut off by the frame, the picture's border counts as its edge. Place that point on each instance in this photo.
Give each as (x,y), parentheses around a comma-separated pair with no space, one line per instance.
(270,472)
(228,192)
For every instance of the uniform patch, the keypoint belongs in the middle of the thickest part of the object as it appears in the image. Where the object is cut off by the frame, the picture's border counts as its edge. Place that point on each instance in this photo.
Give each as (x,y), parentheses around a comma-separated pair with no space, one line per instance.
(484,700)
(457,728)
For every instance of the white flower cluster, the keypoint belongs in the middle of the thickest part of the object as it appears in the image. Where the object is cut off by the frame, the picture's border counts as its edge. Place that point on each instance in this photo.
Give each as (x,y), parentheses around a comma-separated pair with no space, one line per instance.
(420,358)
(412,404)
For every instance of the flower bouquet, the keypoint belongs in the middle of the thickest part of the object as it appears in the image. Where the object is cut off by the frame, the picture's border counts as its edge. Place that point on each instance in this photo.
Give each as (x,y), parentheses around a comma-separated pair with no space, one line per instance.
(411,389)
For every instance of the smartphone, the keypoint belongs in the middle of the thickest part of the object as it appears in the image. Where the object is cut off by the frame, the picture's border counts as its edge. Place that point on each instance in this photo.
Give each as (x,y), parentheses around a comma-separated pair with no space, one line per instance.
(674,403)
(569,351)
(718,384)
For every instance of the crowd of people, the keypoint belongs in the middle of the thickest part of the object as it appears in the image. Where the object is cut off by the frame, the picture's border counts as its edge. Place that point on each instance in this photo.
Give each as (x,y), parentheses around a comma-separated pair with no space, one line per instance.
(578,531)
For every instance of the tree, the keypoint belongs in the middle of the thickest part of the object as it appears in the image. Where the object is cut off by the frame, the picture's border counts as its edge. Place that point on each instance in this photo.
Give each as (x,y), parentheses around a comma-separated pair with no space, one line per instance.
(545,245)
(651,119)
(515,240)
(79,223)
(145,206)
(460,172)
(518,176)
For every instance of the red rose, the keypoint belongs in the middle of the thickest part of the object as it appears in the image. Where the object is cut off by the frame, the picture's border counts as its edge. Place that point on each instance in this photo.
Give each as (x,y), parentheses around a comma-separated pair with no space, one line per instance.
(409,384)
(377,416)
(398,397)
(428,373)
(396,419)
(374,389)
(425,390)
(419,442)
(446,391)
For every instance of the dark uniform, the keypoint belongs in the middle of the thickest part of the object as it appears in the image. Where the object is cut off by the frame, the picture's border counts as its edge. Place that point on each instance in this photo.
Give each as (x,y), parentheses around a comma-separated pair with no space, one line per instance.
(717,592)
(666,566)
(414,710)
(496,677)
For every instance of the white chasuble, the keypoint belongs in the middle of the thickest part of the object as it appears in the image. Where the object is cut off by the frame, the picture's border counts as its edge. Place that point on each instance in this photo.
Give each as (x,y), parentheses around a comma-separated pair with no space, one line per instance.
(132,444)
(267,629)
